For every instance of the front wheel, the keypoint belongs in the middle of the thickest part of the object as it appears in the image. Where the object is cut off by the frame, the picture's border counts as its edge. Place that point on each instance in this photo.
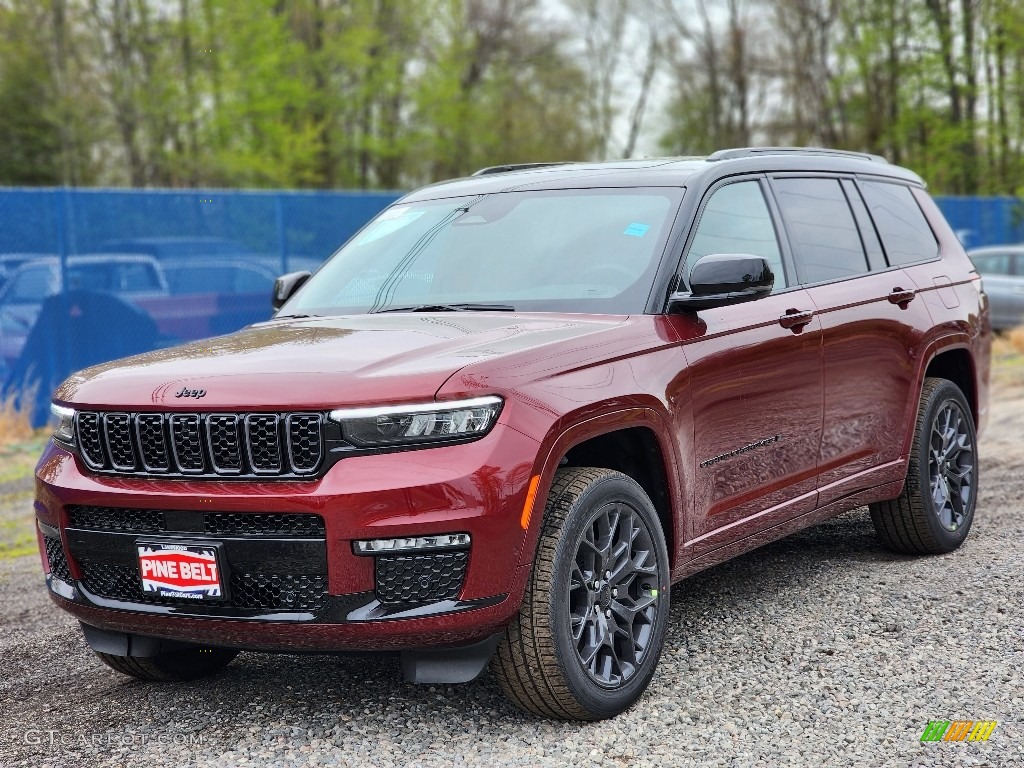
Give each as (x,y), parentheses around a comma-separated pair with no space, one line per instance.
(936,509)
(589,633)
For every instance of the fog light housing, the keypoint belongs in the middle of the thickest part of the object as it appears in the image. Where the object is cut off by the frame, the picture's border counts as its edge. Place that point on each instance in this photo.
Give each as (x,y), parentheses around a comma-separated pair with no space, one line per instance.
(433,543)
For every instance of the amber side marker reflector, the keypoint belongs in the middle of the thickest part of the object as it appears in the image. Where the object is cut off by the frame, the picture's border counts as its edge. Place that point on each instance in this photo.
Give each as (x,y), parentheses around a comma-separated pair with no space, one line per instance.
(531,497)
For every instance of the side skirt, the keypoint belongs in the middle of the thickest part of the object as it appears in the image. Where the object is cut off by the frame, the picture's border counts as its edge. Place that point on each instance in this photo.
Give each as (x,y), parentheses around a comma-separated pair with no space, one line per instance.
(768,535)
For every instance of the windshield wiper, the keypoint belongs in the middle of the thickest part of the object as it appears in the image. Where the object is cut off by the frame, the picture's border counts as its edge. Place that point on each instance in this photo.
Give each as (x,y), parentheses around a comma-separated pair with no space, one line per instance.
(294,317)
(451,308)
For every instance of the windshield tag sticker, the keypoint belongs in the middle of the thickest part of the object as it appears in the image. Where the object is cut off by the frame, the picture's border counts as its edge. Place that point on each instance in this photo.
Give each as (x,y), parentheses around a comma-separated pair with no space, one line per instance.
(390,221)
(636,230)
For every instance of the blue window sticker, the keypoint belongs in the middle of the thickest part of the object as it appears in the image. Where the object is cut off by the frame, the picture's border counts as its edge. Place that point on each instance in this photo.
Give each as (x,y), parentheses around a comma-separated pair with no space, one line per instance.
(636,230)
(391,220)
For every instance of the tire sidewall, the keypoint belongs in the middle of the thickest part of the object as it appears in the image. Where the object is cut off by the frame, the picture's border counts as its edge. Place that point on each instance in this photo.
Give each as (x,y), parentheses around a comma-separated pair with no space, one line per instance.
(596,699)
(947,540)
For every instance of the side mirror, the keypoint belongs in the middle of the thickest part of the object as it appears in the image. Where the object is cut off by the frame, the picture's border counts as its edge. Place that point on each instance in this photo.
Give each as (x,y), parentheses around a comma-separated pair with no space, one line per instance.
(285,287)
(721,279)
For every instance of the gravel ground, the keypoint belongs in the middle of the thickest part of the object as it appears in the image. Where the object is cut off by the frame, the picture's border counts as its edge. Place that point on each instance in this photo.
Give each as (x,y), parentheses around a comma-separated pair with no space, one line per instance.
(821,649)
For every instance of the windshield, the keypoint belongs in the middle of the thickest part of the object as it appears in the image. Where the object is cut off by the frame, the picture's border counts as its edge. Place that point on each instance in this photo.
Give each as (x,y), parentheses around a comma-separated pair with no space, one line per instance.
(553,251)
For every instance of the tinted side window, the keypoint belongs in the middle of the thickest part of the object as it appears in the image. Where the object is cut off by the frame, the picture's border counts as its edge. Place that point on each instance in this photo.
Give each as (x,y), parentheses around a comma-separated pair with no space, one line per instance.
(902,226)
(993,263)
(736,219)
(826,241)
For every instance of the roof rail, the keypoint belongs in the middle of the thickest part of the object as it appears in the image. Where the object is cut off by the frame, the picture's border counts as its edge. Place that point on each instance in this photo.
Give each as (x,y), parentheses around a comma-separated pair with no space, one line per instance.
(732,154)
(512,167)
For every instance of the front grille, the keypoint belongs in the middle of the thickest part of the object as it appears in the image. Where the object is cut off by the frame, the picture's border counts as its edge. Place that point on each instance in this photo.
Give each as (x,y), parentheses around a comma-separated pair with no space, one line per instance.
(200,444)
(119,520)
(424,578)
(57,559)
(246,591)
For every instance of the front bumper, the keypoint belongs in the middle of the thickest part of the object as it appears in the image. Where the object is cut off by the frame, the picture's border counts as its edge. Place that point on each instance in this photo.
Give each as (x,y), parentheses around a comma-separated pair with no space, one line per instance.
(477,488)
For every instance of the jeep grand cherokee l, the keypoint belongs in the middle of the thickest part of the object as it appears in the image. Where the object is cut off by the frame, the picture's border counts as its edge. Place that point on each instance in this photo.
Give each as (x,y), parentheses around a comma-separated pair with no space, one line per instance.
(506,417)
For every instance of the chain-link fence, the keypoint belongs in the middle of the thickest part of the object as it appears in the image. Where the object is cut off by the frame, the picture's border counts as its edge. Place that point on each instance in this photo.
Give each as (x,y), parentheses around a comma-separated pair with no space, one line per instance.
(88,276)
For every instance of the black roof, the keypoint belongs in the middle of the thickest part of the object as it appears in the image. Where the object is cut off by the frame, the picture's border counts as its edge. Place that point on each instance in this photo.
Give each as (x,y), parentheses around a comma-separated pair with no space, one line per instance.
(664,171)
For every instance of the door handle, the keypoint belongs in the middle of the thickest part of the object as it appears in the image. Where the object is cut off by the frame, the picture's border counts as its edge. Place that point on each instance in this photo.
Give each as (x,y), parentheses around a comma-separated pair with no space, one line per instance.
(795,319)
(901,297)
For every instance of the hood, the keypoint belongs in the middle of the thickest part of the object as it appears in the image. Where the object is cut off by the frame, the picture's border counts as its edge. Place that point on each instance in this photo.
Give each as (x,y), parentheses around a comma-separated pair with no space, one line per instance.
(321,363)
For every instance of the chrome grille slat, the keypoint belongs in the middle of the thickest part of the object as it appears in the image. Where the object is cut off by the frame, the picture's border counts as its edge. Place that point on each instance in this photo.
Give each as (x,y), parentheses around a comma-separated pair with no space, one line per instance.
(222,439)
(120,446)
(149,428)
(90,440)
(263,440)
(201,444)
(186,440)
(305,444)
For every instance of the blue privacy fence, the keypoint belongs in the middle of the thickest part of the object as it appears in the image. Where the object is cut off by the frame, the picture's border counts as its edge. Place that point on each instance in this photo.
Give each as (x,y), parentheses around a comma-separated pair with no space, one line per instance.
(90,275)
(984,220)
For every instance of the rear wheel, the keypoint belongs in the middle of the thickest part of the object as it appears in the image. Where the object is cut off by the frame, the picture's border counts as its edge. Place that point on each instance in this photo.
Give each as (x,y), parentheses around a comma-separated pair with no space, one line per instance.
(589,634)
(172,666)
(935,511)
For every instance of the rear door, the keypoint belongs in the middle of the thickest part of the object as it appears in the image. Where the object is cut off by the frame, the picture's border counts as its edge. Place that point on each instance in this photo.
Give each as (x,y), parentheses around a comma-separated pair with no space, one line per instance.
(755,382)
(871,321)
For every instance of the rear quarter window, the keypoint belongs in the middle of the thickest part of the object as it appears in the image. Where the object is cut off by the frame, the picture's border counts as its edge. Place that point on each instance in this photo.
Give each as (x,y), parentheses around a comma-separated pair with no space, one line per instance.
(902,227)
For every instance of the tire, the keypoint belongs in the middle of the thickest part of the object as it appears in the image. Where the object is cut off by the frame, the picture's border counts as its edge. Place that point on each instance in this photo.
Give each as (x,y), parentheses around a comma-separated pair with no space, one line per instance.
(173,666)
(934,513)
(539,665)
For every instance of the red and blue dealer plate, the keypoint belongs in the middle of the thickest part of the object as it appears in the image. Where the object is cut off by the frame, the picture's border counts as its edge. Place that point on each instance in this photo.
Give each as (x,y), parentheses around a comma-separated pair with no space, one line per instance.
(180,571)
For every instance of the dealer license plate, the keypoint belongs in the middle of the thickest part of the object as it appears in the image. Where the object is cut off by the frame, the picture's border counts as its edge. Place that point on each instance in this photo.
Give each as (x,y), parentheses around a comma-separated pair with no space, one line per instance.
(180,571)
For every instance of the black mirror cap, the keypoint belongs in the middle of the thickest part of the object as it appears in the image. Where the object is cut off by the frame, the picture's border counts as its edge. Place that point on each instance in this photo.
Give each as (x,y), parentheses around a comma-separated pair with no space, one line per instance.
(285,287)
(721,279)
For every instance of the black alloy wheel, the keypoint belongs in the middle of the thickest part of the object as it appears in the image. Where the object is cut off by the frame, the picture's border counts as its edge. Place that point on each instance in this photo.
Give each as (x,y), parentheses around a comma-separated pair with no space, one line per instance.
(934,512)
(613,594)
(589,632)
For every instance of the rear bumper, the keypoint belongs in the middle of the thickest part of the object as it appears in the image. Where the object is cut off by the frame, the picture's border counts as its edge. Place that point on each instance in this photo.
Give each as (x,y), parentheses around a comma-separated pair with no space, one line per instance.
(476,488)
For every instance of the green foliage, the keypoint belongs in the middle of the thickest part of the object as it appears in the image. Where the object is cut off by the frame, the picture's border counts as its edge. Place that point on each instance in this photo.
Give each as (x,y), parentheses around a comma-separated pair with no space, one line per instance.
(306,93)
(394,93)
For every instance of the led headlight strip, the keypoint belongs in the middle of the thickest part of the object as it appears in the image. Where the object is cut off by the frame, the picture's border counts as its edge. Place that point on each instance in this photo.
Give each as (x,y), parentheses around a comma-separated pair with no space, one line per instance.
(63,420)
(396,425)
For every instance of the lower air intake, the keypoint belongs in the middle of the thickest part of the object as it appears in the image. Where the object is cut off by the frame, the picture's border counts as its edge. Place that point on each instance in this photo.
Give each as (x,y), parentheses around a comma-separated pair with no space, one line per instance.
(428,578)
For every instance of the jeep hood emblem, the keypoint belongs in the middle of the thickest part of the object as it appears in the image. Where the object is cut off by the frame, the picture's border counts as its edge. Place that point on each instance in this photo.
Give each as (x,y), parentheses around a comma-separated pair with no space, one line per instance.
(184,392)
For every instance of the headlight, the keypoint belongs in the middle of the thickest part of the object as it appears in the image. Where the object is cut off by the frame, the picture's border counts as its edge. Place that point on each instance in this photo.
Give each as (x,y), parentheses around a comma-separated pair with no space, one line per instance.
(63,423)
(416,424)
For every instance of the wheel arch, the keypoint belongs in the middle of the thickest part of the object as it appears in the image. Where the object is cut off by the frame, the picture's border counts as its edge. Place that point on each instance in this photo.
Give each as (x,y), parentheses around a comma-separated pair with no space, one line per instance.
(635,442)
(950,358)
(956,364)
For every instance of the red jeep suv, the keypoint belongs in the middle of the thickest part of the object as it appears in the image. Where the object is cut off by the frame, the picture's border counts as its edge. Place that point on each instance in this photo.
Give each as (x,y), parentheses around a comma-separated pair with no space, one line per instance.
(514,409)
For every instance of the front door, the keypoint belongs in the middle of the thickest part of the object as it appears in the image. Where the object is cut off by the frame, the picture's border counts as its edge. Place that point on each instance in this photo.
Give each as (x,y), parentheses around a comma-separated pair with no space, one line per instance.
(755,384)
